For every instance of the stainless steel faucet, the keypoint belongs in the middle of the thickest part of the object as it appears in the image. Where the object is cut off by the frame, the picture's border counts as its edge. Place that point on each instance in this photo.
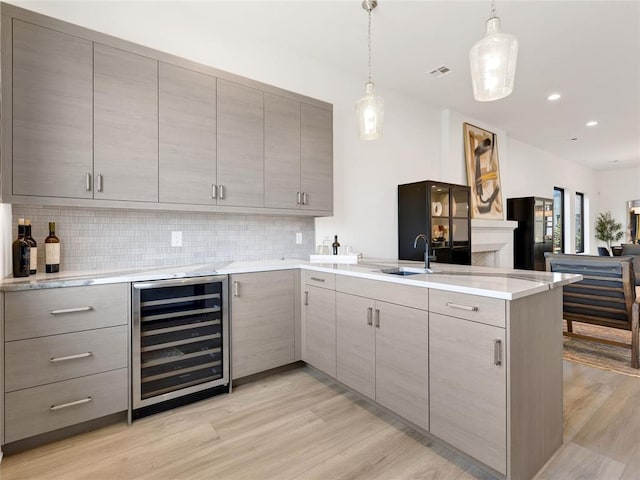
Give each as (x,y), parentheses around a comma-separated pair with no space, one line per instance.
(426,249)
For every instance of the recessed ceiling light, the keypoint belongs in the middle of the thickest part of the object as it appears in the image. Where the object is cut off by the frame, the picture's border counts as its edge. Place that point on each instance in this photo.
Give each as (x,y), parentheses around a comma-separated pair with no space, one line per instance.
(592,123)
(553,97)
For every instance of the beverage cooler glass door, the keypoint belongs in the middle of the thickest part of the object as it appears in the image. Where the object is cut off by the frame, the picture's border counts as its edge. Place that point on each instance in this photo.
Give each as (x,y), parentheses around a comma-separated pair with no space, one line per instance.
(180,338)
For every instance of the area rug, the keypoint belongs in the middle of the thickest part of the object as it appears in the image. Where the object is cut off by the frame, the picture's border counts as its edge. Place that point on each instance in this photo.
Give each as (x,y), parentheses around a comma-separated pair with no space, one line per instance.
(600,355)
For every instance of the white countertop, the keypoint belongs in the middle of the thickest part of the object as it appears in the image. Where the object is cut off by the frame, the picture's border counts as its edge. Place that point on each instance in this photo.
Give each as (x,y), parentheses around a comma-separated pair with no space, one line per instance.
(484,281)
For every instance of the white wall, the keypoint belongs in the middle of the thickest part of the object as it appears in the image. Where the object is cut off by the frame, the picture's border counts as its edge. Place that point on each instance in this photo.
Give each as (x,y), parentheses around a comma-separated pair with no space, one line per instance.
(534,172)
(614,188)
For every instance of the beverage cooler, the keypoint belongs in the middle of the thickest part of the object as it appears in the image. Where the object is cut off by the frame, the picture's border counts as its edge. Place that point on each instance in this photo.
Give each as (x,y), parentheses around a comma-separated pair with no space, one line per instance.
(180,341)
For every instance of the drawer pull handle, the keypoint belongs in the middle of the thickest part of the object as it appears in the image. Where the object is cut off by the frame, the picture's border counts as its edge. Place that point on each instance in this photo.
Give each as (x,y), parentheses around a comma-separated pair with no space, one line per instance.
(71,357)
(370,316)
(71,310)
(70,404)
(316,279)
(468,308)
(497,352)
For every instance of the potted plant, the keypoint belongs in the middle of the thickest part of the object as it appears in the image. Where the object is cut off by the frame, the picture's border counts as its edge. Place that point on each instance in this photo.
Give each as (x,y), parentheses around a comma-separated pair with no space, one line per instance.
(607,229)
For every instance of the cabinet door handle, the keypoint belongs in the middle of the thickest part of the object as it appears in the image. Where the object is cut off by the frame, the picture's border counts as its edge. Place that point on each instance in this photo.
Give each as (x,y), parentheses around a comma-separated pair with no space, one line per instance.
(497,352)
(70,404)
(304,198)
(221,192)
(236,288)
(100,182)
(370,316)
(316,279)
(88,181)
(377,321)
(468,308)
(214,191)
(71,310)
(299,199)
(306,298)
(71,357)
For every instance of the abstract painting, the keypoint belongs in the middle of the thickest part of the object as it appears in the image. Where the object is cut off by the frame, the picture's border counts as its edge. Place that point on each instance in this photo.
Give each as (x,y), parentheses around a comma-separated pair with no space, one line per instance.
(483,174)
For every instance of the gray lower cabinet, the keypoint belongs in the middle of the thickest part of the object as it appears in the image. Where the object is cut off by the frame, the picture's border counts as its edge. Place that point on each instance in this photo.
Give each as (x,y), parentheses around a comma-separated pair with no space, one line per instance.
(262,321)
(316,151)
(125,125)
(52,113)
(319,327)
(187,136)
(382,352)
(66,357)
(240,133)
(468,390)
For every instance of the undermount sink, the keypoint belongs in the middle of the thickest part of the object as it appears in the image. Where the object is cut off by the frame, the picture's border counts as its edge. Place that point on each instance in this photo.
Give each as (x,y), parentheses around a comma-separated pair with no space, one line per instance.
(404,271)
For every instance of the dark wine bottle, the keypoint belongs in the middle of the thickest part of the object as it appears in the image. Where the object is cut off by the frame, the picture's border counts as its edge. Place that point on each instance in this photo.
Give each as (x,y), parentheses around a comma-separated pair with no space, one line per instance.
(52,250)
(21,253)
(33,247)
(335,245)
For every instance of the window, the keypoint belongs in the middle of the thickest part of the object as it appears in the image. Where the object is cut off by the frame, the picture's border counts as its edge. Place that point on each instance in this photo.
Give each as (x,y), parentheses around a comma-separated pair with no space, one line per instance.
(579,222)
(558,220)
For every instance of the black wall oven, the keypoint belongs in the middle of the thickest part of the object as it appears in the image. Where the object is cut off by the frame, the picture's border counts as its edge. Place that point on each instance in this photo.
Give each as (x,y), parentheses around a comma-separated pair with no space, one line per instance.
(180,338)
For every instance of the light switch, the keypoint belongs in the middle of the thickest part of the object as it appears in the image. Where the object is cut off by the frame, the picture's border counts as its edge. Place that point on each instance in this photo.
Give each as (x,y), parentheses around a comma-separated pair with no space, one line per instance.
(299,238)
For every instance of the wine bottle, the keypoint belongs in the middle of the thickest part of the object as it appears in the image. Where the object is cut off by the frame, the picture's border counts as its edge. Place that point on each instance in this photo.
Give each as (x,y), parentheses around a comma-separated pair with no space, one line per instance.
(21,253)
(33,247)
(335,245)
(52,250)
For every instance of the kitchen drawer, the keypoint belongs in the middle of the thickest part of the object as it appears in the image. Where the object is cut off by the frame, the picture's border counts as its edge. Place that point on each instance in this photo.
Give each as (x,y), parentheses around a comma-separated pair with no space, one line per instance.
(320,279)
(42,409)
(406,295)
(38,361)
(490,311)
(51,311)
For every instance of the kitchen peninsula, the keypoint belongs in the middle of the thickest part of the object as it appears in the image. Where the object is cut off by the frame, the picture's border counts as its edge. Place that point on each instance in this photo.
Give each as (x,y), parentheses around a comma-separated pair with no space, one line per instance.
(469,356)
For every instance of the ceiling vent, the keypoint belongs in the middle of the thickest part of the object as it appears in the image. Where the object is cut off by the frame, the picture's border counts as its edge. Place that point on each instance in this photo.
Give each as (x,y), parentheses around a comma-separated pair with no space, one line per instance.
(441,71)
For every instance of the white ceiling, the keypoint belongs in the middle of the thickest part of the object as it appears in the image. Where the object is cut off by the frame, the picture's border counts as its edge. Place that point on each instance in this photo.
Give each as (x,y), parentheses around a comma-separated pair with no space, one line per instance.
(588,51)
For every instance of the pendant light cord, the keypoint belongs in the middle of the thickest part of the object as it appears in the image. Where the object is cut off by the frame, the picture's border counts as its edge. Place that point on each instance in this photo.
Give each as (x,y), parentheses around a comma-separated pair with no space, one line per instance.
(493,14)
(369,42)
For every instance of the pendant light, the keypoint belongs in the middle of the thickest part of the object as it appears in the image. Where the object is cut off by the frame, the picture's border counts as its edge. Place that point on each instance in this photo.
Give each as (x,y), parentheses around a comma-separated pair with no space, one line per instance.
(370,108)
(493,62)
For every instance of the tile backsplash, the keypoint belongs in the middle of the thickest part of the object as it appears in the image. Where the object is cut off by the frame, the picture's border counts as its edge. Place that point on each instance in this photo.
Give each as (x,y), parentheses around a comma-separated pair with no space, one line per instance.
(94,239)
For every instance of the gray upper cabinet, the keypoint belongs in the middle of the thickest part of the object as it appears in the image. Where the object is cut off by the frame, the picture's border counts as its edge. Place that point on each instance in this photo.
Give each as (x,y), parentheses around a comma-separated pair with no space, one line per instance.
(52,112)
(125,125)
(187,136)
(240,145)
(316,150)
(89,119)
(281,152)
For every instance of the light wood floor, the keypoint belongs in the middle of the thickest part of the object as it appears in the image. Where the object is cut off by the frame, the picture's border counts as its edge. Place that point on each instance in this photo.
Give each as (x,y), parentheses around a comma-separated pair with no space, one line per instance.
(299,425)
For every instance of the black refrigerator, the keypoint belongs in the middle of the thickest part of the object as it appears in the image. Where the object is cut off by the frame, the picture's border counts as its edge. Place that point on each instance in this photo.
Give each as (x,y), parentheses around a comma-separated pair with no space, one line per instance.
(534,234)
(440,211)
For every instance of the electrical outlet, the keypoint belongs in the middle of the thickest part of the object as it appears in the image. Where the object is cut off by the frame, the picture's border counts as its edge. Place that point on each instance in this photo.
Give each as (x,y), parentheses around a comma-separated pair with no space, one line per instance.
(299,238)
(176,239)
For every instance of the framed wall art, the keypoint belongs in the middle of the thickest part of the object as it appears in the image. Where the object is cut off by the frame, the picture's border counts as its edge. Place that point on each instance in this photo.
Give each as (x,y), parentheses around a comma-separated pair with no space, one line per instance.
(483,173)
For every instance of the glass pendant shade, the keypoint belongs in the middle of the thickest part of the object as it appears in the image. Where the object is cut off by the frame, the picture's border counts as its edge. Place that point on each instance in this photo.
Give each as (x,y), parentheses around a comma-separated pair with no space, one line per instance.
(370,114)
(493,63)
